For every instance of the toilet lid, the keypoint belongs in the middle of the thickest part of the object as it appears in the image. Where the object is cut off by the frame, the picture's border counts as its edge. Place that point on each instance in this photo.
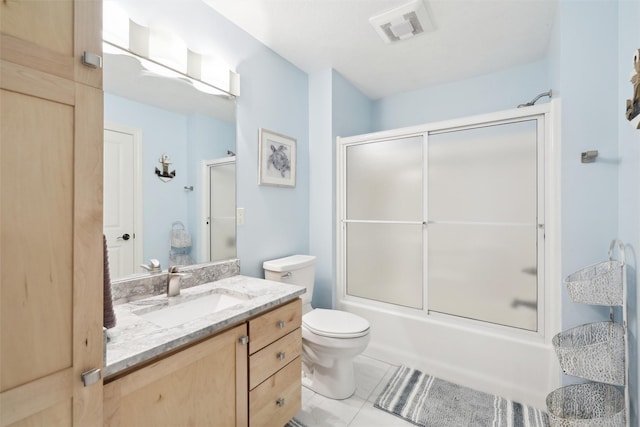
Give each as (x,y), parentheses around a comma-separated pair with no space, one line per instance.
(335,323)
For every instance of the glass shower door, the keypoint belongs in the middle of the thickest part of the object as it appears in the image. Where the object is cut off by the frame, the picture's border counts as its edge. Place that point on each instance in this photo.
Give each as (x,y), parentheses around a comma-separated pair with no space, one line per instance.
(483,224)
(384,221)
(222,211)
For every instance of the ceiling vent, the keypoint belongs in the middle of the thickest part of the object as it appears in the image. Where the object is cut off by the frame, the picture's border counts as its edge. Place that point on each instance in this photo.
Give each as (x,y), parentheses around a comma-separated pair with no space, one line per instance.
(402,22)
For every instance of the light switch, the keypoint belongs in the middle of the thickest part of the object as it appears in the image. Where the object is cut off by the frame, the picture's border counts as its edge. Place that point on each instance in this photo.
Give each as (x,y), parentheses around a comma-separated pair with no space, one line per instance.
(239,216)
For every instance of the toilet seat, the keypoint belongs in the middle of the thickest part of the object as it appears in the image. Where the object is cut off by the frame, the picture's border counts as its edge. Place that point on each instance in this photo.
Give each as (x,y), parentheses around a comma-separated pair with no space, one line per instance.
(335,324)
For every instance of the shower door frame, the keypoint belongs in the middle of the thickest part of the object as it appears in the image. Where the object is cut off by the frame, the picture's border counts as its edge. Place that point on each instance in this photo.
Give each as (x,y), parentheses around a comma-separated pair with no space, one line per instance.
(205,208)
(548,221)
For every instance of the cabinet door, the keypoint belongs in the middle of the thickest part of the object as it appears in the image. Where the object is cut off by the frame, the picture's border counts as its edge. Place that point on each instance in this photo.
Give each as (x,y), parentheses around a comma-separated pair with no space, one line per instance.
(51,36)
(204,385)
(50,215)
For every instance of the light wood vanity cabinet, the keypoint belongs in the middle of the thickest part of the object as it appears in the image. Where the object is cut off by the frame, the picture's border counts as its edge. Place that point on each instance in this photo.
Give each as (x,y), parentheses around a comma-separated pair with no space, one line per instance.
(275,347)
(203,385)
(220,381)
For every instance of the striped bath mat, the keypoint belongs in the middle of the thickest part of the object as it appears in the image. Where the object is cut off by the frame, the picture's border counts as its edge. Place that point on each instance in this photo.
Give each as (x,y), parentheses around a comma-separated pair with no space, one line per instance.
(428,401)
(294,423)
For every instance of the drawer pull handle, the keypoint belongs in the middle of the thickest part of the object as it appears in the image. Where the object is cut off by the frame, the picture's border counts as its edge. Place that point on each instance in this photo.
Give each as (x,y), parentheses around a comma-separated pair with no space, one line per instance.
(280,324)
(280,402)
(281,355)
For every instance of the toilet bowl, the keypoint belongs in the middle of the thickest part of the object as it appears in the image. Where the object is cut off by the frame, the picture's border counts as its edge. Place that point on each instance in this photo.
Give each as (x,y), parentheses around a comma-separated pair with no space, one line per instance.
(331,339)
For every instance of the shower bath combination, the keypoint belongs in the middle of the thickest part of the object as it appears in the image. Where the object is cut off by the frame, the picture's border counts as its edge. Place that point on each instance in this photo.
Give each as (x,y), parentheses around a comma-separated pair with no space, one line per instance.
(463,245)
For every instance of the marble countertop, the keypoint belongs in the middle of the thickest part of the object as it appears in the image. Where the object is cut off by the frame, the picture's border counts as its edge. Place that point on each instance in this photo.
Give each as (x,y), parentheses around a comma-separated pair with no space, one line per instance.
(134,340)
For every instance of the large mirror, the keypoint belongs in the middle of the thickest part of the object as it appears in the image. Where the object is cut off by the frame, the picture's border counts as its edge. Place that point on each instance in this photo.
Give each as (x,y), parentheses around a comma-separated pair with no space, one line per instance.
(169,162)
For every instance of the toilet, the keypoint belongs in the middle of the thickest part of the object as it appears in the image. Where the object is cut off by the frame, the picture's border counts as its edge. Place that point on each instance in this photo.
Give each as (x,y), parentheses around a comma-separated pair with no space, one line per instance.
(331,339)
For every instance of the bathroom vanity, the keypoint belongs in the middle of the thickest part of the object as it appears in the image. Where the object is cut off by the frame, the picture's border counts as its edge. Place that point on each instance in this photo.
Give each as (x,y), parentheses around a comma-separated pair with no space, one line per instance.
(236,365)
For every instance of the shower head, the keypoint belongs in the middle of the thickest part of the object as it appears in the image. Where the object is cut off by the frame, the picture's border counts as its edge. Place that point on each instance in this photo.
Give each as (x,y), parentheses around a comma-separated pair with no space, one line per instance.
(534,100)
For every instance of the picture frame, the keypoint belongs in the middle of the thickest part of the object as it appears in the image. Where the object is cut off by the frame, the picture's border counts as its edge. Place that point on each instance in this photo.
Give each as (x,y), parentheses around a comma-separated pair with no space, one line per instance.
(277,159)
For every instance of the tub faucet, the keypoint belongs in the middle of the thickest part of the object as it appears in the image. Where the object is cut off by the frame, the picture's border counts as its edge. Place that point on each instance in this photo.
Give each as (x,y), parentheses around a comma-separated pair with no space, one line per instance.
(173,280)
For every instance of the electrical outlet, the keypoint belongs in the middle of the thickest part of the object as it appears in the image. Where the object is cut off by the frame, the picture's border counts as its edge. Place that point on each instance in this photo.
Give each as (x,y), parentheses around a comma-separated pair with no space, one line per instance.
(239,216)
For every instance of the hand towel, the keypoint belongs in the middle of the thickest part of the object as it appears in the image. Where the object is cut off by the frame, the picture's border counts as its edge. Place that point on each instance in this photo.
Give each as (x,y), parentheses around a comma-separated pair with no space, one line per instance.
(109,316)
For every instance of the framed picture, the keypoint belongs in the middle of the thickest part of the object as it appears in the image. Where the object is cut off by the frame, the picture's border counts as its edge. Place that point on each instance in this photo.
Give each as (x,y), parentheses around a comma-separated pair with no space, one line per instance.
(277,159)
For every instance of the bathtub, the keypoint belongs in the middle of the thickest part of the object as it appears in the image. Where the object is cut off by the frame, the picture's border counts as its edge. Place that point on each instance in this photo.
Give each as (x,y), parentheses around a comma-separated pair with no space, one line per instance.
(514,364)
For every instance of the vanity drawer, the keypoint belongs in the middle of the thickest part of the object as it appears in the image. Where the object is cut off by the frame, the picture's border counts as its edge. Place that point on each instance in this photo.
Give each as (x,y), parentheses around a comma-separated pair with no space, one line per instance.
(275,324)
(274,357)
(278,399)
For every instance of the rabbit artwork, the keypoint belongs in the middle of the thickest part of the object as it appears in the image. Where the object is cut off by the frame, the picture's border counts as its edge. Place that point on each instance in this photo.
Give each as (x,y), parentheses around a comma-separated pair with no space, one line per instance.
(633,104)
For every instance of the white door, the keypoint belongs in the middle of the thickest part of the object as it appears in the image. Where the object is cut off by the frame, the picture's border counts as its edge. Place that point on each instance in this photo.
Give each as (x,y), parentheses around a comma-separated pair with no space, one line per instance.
(120,201)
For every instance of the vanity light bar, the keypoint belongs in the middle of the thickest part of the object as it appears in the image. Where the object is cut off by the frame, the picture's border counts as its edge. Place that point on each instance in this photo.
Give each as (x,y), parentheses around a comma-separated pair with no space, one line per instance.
(164,70)
(162,52)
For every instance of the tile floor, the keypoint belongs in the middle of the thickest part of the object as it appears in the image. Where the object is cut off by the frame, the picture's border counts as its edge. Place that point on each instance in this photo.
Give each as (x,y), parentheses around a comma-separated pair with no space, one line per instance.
(357,411)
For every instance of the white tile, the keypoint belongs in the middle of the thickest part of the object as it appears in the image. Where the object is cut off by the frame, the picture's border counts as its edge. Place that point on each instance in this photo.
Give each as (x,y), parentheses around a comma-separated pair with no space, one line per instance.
(320,411)
(307,394)
(369,416)
(382,384)
(369,372)
(371,377)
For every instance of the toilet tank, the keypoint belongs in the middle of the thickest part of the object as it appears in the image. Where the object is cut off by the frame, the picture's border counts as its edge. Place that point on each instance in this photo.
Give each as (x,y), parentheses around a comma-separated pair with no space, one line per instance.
(296,270)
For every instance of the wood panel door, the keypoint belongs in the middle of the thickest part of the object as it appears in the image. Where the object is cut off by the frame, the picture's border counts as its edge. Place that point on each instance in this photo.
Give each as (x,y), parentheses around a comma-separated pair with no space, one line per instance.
(50,213)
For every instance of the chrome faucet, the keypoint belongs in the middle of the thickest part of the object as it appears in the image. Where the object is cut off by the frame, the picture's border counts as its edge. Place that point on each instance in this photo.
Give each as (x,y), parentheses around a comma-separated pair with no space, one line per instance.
(153,267)
(173,280)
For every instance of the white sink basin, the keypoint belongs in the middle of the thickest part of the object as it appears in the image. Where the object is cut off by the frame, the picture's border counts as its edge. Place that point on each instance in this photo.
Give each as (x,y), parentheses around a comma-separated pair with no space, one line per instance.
(174,315)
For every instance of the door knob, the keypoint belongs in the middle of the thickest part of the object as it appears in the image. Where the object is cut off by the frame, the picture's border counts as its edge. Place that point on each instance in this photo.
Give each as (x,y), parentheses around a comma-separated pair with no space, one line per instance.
(125,236)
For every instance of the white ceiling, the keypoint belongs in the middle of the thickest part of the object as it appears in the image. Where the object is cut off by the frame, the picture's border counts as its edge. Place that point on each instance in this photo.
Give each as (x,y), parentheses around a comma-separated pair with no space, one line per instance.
(471,38)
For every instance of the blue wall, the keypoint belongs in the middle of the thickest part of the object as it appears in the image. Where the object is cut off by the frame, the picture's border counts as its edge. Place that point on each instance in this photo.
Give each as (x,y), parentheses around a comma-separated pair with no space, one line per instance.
(484,94)
(336,108)
(274,96)
(321,190)
(588,90)
(186,138)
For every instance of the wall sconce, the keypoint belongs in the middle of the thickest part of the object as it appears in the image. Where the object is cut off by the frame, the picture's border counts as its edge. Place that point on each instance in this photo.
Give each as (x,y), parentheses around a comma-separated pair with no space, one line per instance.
(162,52)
